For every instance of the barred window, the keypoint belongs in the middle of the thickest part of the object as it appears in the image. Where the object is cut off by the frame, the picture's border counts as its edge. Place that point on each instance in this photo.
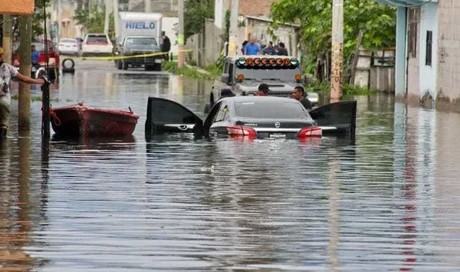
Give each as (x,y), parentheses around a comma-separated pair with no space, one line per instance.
(429,48)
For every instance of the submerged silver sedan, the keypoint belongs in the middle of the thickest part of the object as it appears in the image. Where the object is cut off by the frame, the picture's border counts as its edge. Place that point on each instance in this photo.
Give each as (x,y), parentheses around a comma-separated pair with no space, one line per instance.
(252,117)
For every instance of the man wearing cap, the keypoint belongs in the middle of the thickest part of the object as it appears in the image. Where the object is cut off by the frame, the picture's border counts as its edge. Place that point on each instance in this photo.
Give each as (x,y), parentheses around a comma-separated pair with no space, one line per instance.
(7,72)
(262,90)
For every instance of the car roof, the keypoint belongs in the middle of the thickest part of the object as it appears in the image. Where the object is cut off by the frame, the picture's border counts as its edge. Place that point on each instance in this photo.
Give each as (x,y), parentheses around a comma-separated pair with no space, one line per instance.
(262,99)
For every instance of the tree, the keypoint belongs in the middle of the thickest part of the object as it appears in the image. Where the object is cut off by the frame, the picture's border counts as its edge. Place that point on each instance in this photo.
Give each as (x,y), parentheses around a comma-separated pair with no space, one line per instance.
(196,11)
(375,21)
(93,19)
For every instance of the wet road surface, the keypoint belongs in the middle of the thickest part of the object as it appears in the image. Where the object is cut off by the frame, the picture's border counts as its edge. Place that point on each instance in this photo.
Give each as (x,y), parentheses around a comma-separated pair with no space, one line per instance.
(386,202)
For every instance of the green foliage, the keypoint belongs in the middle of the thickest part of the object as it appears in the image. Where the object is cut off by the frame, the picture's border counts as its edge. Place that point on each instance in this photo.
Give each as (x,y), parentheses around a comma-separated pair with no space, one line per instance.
(216,68)
(194,16)
(348,89)
(93,19)
(377,21)
(187,71)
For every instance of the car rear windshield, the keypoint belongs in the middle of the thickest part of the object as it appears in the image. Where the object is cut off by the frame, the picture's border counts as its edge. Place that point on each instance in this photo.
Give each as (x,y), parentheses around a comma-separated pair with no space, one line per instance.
(275,109)
(68,41)
(97,39)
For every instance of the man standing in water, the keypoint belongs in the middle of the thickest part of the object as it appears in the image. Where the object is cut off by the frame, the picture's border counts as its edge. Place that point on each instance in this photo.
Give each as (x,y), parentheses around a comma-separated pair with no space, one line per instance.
(262,90)
(299,94)
(7,72)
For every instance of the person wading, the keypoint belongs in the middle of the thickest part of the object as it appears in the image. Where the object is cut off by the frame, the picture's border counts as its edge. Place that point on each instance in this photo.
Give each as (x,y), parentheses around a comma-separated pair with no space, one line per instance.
(262,90)
(299,94)
(7,72)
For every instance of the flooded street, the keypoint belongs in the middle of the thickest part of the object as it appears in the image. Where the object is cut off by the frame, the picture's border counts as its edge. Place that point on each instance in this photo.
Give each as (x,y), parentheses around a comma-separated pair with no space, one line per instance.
(387,202)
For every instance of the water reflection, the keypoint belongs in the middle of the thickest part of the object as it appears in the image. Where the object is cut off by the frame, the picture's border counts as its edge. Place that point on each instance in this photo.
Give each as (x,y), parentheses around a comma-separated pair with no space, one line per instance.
(14,207)
(386,201)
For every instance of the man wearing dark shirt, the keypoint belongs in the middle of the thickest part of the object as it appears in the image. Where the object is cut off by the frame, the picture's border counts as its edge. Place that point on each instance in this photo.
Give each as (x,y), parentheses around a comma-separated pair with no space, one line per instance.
(282,51)
(299,94)
(166,46)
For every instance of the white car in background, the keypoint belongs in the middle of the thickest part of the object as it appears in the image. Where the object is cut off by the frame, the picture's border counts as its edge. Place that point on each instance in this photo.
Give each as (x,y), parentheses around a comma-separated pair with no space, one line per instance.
(69,46)
(96,44)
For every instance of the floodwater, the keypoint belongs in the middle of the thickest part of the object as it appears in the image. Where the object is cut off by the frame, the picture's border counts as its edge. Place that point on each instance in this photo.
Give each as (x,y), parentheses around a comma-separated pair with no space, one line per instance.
(386,202)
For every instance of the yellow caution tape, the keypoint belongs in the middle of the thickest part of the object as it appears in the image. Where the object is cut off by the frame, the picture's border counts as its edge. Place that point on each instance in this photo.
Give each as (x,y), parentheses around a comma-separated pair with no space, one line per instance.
(114,57)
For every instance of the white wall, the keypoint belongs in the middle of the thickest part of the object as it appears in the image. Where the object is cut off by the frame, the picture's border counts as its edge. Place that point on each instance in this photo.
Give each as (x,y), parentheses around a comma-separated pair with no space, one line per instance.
(428,74)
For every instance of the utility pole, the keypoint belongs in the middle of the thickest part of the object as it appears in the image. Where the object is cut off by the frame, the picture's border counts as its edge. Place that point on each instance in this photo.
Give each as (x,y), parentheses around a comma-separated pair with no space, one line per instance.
(115,17)
(181,37)
(337,50)
(233,37)
(148,6)
(108,9)
(25,28)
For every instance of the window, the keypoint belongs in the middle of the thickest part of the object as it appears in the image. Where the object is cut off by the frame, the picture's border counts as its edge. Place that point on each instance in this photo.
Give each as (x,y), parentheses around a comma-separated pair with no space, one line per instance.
(429,48)
(222,114)
(413,26)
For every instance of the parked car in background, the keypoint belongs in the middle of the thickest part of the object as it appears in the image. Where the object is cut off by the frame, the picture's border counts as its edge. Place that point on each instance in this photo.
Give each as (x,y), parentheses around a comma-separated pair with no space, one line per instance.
(69,46)
(96,44)
(52,58)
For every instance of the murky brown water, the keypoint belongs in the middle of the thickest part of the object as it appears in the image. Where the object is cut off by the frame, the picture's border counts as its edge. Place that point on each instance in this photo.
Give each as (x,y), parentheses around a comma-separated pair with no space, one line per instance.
(386,203)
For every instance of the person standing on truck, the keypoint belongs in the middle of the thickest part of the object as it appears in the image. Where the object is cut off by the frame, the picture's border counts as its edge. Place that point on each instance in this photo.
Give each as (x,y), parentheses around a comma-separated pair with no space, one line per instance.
(282,51)
(252,47)
(7,72)
(269,49)
(35,56)
(166,46)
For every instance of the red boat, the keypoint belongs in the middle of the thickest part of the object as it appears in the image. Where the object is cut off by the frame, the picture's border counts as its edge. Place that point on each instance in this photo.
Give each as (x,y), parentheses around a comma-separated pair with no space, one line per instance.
(80,120)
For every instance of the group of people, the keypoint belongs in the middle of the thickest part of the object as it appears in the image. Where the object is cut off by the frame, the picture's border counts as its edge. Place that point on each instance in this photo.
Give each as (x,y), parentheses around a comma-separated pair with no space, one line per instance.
(252,47)
(263,90)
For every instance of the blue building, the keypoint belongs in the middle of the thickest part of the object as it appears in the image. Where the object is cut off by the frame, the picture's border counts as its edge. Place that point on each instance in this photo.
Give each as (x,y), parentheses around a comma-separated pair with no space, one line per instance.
(427,66)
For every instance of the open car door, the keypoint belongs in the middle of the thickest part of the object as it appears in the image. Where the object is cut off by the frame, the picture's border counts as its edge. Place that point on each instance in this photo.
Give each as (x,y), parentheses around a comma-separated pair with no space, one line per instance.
(336,118)
(166,116)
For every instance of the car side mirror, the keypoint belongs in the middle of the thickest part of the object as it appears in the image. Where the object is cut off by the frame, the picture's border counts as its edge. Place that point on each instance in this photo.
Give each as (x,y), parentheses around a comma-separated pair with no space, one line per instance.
(225,78)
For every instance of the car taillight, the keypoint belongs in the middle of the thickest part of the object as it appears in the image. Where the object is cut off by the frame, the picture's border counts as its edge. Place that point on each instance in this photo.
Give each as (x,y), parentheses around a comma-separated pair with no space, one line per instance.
(310,132)
(241,131)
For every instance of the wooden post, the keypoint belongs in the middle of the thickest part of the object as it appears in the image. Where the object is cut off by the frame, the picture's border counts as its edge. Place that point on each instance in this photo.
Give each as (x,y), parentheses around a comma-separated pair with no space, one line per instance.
(116,8)
(233,35)
(337,50)
(45,89)
(25,28)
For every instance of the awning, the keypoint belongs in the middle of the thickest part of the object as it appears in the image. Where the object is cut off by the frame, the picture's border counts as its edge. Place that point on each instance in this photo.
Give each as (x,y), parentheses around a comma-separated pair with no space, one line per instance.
(406,3)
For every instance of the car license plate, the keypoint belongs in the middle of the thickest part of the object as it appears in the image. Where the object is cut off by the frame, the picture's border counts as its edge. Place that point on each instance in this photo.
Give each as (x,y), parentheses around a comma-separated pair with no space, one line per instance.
(277,136)
(157,60)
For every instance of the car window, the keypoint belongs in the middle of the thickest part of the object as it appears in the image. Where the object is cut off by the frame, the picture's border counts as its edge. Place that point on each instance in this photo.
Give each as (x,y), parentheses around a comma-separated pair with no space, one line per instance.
(271,110)
(222,114)
(98,39)
(68,41)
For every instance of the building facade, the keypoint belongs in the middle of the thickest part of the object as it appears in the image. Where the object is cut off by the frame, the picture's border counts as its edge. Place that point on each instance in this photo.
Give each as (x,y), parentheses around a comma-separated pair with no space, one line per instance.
(427,68)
